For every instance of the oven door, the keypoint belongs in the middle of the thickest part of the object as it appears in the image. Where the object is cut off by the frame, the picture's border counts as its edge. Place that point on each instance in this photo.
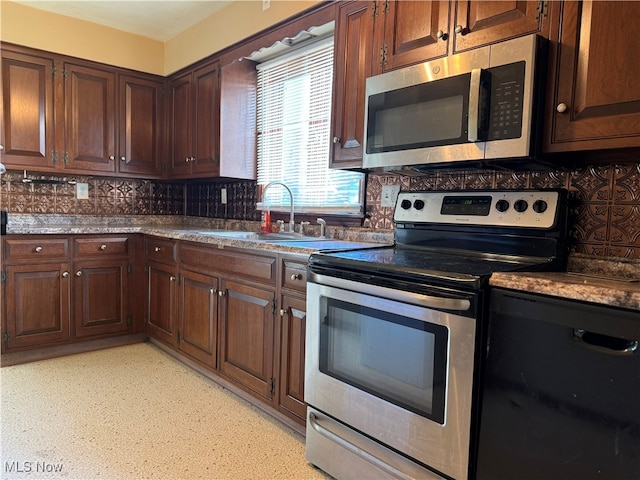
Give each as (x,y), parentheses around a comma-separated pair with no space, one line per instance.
(396,366)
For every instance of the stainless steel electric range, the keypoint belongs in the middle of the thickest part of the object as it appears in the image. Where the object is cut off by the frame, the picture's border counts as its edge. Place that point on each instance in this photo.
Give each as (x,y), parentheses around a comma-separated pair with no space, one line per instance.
(394,334)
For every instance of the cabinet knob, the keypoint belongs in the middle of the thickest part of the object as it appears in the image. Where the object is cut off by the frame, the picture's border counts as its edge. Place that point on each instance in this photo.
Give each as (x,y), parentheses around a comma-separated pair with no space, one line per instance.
(282,312)
(460,29)
(336,139)
(156,249)
(65,274)
(212,291)
(123,159)
(103,247)
(441,34)
(221,293)
(79,273)
(296,276)
(172,278)
(112,157)
(38,249)
(561,108)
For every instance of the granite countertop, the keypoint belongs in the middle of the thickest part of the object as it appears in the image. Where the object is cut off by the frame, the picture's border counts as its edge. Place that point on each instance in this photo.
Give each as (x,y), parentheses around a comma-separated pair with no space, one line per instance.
(612,282)
(192,229)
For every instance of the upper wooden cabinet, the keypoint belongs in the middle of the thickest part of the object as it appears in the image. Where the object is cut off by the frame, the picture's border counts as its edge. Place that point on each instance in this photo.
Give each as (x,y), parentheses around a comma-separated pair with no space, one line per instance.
(593,96)
(478,23)
(352,65)
(408,32)
(27,120)
(78,116)
(90,104)
(194,126)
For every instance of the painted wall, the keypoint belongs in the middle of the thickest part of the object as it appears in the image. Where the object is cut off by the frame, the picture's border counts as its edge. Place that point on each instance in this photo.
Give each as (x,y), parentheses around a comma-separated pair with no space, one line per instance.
(57,33)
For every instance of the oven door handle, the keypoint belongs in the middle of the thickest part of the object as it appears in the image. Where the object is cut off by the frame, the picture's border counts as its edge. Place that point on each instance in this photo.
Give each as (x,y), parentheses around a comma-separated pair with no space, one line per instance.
(428,301)
(313,421)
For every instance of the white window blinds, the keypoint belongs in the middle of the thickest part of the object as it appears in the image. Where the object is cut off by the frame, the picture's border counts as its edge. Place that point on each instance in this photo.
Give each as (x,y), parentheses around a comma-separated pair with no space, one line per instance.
(294,120)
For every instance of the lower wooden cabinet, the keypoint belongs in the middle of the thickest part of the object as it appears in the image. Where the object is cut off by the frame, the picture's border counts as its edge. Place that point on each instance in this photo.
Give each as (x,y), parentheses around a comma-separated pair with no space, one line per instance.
(238,313)
(66,289)
(38,299)
(246,336)
(293,318)
(198,318)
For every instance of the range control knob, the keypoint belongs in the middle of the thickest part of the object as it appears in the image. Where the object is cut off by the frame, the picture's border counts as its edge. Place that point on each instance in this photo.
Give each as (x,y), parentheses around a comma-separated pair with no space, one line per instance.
(502,205)
(520,206)
(418,204)
(405,204)
(539,206)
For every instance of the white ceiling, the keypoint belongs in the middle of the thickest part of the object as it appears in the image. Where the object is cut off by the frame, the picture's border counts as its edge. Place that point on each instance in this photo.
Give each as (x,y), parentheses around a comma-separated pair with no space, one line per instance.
(156,19)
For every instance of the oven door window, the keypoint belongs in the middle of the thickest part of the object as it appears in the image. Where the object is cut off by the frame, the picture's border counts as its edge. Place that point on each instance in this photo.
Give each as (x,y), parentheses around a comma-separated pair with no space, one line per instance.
(399,359)
(424,115)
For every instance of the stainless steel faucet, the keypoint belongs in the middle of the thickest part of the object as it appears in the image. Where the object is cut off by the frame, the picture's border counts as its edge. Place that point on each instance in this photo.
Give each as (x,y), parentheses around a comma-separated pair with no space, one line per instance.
(292,223)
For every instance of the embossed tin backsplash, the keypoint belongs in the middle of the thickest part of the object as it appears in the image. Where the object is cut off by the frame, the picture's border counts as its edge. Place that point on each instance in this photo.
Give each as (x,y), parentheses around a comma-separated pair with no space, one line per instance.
(605,210)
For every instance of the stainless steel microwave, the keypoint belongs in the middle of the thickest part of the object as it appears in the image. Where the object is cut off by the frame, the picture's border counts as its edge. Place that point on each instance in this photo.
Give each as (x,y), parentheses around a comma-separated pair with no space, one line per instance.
(477,105)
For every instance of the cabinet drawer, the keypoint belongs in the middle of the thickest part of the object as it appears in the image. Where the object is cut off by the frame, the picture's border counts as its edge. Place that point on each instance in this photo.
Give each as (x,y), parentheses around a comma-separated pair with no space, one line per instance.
(101,246)
(294,274)
(160,250)
(44,248)
(248,266)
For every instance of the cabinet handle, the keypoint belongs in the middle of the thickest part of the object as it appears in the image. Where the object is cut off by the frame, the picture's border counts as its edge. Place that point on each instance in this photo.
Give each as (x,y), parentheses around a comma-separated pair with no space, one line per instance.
(103,247)
(65,274)
(157,249)
(79,273)
(561,108)
(296,276)
(221,293)
(336,139)
(38,249)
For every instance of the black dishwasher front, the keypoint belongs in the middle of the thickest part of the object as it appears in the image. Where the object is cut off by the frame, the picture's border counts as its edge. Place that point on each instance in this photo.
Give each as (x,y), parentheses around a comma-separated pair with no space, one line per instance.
(561,390)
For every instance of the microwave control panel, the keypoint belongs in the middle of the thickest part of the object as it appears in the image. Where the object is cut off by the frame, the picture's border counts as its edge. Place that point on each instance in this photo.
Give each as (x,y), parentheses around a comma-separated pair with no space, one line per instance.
(505,110)
(525,208)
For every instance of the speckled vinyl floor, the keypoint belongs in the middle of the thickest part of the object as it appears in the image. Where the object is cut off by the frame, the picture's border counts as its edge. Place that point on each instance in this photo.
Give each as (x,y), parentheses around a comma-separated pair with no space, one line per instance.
(134,412)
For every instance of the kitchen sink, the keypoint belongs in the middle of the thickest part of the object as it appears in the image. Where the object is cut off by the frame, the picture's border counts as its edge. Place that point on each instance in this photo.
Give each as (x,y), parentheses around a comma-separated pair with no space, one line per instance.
(261,237)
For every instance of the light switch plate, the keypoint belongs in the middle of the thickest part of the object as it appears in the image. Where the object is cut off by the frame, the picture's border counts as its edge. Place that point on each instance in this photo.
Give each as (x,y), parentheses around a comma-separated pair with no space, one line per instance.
(265,5)
(389,195)
(82,191)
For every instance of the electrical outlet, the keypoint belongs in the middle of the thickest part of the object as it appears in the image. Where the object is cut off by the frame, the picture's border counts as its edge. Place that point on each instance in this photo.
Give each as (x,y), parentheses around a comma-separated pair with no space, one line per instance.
(266,4)
(389,195)
(82,191)
(223,196)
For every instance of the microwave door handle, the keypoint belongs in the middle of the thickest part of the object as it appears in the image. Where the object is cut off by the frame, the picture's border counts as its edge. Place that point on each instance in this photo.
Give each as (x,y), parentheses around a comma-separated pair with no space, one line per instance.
(474,104)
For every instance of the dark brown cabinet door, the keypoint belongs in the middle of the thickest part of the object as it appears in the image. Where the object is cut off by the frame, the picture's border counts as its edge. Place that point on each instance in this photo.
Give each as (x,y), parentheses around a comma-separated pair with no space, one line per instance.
(90,119)
(206,110)
(246,336)
(140,126)
(37,305)
(292,348)
(352,65)
(198,316)
(593,101)
(414,31)
(161,297)
(101,297)
(483,22)
(180,125)
(28,133)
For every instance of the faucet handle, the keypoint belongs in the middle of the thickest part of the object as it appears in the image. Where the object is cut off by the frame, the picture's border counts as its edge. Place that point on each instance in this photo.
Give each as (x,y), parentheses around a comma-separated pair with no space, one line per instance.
(280,226)
(302,225)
